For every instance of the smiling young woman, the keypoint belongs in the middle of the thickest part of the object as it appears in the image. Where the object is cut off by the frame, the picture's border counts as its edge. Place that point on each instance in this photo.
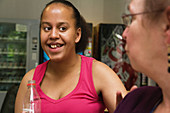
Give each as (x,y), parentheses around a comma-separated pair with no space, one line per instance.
(69,82)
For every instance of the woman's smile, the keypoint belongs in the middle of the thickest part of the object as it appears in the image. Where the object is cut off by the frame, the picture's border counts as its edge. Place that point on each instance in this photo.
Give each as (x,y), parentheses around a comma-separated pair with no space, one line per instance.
(54,46)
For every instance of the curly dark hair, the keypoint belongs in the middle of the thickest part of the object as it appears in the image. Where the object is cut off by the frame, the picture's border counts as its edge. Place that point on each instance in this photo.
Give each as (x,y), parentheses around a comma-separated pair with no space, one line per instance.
(80,23)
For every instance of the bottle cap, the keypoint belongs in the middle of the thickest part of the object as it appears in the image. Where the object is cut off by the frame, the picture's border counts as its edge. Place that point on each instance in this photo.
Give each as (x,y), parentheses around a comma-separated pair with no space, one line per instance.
(31,83)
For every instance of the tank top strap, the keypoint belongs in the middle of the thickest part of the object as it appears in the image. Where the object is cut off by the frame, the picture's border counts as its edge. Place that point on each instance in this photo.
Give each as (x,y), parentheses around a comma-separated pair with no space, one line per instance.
(39,72)
(86,71)
(86,67)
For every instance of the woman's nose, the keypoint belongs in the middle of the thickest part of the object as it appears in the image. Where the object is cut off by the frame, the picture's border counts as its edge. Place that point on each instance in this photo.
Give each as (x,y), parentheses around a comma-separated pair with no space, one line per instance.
(54,33)
(124,35)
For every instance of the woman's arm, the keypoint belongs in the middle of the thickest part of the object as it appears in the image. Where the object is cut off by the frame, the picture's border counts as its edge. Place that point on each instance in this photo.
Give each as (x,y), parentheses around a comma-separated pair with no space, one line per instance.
(107,82)
(22,90)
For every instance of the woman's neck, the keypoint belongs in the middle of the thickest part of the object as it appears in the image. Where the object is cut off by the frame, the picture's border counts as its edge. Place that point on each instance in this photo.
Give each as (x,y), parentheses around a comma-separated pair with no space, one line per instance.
(65,66)
(163,83)
(163,107)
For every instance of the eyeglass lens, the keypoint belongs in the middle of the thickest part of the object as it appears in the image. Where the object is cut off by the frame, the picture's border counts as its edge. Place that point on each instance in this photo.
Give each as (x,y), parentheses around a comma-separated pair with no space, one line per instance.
(127,20)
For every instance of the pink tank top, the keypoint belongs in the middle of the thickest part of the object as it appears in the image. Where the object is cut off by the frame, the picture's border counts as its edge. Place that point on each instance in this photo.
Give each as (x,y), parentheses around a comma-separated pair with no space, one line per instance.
(83,99)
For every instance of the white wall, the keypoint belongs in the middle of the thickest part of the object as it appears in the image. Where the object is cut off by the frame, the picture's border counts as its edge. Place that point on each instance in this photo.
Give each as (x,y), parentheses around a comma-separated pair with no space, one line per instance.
(113,10)
(24,9)
(95,11)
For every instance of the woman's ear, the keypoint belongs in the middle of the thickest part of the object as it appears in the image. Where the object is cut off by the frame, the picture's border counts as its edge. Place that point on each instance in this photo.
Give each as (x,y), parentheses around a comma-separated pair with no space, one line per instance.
(167,25)
(78,35)
(168,13)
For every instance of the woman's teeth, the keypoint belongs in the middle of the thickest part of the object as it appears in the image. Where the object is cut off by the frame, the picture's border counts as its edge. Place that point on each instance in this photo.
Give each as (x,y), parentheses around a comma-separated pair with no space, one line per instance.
(55,46)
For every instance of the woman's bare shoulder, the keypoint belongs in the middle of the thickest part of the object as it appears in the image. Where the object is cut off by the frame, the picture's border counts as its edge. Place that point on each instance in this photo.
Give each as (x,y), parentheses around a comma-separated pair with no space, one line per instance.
(22,90)
(29,75)
(102,68)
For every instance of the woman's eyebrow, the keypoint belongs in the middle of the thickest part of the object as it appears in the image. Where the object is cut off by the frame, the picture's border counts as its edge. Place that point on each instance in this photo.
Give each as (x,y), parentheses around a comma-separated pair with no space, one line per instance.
(42,23)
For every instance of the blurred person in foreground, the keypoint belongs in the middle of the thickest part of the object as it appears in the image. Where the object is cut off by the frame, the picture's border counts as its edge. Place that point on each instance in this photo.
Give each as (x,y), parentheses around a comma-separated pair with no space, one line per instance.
(147,38)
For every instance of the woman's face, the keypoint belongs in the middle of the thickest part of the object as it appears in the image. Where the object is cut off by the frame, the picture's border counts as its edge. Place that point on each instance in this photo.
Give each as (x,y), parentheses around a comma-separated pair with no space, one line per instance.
(58,31)
(144,46)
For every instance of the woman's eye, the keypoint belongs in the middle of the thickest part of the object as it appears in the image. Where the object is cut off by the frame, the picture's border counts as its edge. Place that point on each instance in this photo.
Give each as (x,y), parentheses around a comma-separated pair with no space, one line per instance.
(47,28)
(62,28)
(133,18)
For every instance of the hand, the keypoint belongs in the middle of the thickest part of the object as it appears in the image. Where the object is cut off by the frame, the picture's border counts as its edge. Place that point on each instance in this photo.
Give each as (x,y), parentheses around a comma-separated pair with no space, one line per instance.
(119,96)
(133,87)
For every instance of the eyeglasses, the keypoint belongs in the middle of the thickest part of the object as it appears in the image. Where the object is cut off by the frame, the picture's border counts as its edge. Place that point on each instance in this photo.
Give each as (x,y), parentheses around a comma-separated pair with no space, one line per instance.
(127,18)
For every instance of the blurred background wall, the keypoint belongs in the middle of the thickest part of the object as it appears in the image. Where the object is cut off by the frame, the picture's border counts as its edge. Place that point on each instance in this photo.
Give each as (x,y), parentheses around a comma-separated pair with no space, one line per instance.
(94,11)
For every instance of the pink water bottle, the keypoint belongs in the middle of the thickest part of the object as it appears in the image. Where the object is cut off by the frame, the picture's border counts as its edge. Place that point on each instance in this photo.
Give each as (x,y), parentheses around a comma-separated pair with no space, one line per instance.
(32,101)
